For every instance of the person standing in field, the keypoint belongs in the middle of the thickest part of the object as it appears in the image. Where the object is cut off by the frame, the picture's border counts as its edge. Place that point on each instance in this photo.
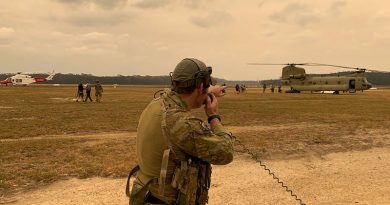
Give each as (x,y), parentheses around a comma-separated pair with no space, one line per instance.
(272,88)
(88,92)
(237,89)
(264,87)
(279,88)
(98,91)
(80,92)
(224,90)
(175,149)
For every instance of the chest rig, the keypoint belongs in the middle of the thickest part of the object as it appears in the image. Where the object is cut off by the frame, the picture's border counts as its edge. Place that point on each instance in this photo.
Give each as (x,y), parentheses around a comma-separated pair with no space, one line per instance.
(191,176)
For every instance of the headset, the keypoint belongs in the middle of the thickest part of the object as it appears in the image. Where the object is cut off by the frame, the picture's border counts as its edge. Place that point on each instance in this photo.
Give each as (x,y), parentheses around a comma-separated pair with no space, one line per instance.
(202,76)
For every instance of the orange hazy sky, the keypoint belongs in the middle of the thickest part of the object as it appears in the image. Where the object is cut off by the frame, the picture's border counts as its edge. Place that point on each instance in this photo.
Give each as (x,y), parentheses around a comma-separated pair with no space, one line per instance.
(149,37)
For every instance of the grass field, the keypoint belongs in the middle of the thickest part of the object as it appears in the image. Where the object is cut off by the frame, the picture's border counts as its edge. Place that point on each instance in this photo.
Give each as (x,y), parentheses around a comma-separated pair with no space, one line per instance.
(46,136)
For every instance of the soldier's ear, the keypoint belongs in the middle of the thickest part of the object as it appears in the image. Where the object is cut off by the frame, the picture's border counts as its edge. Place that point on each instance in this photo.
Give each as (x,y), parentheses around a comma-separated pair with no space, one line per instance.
(199,89)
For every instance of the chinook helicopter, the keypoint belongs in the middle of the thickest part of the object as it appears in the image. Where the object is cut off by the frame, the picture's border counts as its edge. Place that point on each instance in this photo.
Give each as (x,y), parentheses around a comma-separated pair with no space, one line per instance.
(297,79)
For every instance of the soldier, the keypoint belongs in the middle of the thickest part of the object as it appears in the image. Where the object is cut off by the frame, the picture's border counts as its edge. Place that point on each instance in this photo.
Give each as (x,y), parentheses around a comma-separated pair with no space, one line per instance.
(264,87)
(175,148)
(98,91)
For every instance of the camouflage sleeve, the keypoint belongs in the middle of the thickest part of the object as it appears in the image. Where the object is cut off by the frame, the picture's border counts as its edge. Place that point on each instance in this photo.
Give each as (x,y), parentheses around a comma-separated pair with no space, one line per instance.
(195,138)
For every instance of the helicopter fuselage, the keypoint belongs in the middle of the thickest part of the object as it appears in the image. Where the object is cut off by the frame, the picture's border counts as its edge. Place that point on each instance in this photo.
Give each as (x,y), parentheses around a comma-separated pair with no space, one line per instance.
(333,83)
(22,79)
(298,81)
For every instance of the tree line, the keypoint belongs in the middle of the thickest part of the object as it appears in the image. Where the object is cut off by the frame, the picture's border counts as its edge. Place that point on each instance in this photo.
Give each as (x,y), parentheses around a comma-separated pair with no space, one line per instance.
(381,79)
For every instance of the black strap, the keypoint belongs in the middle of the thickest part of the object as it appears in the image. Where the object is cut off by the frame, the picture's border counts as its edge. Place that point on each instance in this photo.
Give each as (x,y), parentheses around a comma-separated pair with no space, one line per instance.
(150,199)
(132,173)
(212,117)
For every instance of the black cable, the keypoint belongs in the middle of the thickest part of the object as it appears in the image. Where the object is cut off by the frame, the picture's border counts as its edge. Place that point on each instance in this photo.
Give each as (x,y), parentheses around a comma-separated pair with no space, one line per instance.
(154,96)
(256,158)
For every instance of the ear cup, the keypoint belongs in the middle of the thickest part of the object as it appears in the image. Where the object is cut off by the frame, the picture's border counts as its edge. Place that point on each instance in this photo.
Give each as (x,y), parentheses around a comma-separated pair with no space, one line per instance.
(201,76)
(198,81)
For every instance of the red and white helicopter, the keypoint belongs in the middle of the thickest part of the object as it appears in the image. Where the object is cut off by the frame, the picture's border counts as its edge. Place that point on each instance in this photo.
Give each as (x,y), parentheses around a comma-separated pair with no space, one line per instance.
(23,79)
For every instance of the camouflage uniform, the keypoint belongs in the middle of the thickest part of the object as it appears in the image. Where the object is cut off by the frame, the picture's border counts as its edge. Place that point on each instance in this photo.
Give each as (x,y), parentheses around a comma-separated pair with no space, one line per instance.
(98,91)
(167,123)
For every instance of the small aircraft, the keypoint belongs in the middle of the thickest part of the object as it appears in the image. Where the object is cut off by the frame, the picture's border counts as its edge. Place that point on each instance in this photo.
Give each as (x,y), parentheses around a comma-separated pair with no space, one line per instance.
(298,80)
(23,79)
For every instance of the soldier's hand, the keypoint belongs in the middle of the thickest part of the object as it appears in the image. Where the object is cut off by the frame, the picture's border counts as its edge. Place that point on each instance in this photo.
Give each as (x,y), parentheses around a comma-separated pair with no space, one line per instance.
(211,107)
(217,90)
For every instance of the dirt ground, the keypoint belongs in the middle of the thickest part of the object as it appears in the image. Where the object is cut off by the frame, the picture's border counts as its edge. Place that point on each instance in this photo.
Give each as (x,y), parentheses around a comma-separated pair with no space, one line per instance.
(355,177)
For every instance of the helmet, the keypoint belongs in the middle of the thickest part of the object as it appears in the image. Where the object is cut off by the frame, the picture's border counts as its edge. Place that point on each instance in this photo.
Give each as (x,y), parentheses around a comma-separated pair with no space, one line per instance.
(190,72)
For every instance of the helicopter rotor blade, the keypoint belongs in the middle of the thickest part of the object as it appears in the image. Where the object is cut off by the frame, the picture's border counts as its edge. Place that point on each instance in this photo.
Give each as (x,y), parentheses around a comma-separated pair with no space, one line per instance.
(265,64)
(348,67)
(377,71)
(331,65)
(322,64)
(287,64)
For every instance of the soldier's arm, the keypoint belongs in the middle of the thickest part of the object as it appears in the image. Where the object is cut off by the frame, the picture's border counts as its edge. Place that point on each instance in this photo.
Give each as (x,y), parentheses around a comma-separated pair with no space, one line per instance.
(195,138)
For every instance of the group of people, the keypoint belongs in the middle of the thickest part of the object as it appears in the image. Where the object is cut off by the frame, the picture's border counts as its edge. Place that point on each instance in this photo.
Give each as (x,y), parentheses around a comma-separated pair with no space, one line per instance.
(240,88)
(272,88)
(87,87)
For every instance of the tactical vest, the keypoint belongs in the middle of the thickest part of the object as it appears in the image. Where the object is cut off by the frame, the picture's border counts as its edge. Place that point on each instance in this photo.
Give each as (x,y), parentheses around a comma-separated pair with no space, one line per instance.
(191,176)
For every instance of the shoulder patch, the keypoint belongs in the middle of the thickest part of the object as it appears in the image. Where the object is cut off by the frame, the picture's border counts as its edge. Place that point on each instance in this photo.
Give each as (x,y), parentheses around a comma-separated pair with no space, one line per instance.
(198,126)
(204,127)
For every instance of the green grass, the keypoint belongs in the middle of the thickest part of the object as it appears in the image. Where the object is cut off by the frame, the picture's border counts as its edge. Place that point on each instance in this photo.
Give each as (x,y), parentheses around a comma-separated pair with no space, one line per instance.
(302,124)
(35,111)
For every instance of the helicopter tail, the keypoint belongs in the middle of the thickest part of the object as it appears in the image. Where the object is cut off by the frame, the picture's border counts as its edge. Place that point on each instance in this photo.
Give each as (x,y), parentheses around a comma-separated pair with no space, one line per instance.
(50,77)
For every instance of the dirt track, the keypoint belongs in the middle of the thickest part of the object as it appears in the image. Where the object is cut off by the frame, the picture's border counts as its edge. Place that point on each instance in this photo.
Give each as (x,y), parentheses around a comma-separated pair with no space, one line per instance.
(354,177)
(339,178)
